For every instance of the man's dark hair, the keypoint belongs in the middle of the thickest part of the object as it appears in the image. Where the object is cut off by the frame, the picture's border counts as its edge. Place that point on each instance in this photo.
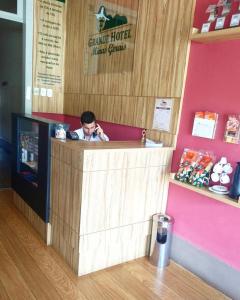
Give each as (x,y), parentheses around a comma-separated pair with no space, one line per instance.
(87,117)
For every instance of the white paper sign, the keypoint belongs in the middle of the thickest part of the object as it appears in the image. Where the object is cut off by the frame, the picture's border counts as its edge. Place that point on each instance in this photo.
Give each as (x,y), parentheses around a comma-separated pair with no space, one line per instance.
(162,114)
(43,92)
(36,91)
(49,93)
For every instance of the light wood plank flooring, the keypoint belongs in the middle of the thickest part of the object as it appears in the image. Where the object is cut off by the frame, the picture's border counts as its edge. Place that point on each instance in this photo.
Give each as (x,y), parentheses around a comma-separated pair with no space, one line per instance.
(31,270)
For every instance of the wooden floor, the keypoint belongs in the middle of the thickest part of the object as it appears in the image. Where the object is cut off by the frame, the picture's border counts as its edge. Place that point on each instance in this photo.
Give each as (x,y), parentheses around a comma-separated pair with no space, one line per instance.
(31,270)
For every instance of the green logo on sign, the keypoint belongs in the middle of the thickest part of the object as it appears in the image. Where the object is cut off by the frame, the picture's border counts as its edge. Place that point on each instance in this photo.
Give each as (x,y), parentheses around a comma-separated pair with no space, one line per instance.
(105,21)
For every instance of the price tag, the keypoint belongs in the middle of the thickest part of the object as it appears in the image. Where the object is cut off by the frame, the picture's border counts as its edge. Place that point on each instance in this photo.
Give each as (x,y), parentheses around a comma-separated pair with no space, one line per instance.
(220,23)
(205,27)
(235,20)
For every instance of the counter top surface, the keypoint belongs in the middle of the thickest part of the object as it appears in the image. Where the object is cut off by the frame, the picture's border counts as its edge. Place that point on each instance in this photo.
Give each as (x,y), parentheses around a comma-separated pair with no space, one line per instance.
(84,145)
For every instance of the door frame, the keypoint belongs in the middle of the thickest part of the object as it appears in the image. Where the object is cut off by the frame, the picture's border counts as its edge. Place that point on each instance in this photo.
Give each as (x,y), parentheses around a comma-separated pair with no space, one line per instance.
(25,15)
(18,17)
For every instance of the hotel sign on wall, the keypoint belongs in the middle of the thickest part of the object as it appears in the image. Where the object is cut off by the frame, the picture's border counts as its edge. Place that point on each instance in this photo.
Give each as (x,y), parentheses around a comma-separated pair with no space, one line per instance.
(109,46)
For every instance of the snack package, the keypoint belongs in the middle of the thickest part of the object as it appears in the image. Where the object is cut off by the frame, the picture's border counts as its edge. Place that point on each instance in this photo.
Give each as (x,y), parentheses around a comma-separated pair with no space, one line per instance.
(201,173)
(187,164)
(232,130)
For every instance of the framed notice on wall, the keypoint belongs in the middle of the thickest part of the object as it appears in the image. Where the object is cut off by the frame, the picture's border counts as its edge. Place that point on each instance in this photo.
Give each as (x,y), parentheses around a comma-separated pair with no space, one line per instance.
(162,117)
(48,55)
(49,42)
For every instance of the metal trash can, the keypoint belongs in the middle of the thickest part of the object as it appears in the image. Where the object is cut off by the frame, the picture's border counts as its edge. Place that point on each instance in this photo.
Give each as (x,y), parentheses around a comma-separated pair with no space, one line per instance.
(160,246)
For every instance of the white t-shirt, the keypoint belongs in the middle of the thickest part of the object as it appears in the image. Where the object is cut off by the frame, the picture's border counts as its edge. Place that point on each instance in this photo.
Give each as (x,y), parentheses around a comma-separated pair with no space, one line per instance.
(92,139)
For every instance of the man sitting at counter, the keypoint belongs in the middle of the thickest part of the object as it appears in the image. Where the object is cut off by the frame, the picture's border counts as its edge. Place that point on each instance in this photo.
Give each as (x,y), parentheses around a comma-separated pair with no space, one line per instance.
(90,130)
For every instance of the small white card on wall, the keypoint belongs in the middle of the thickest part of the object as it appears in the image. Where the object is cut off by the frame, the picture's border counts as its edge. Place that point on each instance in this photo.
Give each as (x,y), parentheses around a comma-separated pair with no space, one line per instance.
(43,92)
(49,93)
(36,91)
(162,114)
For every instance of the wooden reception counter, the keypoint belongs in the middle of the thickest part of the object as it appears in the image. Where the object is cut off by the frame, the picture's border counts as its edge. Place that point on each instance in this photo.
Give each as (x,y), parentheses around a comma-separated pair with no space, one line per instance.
(102,198)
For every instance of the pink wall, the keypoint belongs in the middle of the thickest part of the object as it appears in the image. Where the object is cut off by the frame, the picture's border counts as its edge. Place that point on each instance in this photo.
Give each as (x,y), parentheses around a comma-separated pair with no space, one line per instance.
(213,85)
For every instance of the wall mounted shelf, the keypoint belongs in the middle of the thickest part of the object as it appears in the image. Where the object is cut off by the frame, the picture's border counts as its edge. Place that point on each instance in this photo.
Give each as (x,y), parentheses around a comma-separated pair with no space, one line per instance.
(204,191)
(217,35)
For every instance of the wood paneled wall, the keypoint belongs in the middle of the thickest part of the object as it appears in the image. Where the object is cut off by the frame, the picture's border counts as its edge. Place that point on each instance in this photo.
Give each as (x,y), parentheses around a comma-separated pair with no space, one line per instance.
(158,68)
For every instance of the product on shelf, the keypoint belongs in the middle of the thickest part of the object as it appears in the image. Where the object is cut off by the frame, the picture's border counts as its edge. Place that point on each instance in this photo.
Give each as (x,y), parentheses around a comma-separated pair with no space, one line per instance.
(60,132)
(212,10)
(235,188)
(225,7)
(205,124)
(195,167)
(187,163)
(232,130)
(235,19)
(201,173)
(221,171)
